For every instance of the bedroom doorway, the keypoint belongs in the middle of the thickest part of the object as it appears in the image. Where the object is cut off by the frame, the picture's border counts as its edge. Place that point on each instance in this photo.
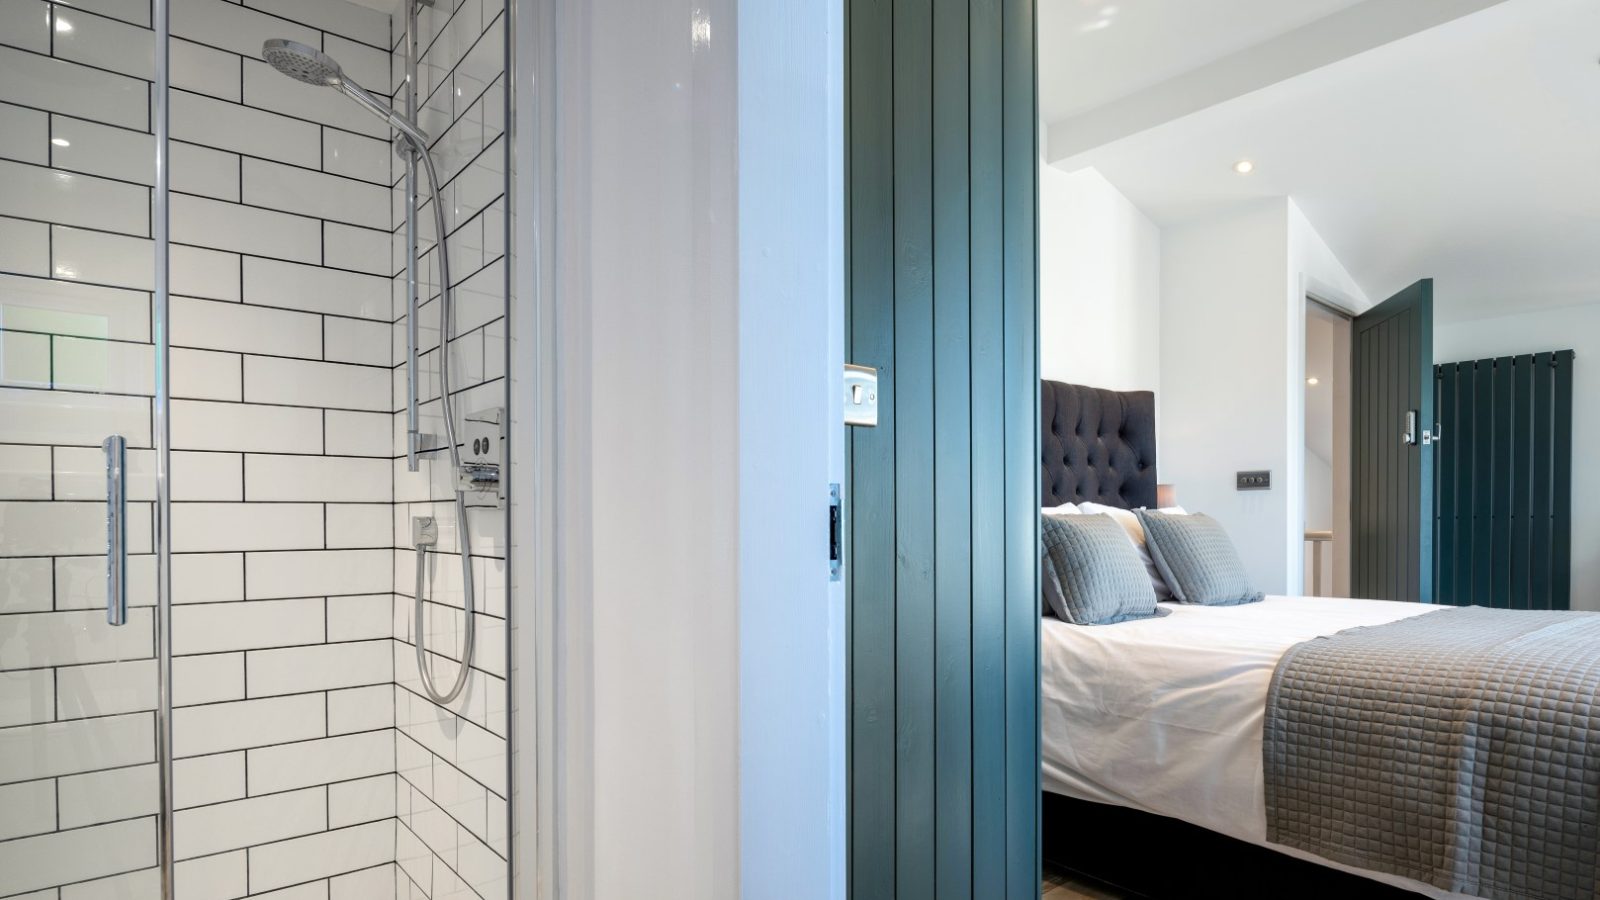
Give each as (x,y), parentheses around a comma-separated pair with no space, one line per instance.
(1311,311)
(1327,450)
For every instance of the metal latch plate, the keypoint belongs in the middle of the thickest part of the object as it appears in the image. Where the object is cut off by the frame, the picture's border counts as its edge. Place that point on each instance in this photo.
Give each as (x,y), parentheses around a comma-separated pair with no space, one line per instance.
(835,534)
(860,395)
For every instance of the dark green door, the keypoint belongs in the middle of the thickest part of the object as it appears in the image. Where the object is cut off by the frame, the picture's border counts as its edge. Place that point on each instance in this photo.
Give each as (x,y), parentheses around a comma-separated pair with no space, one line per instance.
(942,503)
(1391,473)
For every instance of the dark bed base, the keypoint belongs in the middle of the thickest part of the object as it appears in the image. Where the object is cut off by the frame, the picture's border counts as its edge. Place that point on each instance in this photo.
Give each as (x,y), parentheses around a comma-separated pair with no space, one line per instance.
(1160,857)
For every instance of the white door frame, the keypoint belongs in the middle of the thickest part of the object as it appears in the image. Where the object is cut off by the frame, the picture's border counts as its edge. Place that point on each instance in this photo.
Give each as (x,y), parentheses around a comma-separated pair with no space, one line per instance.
(687,729)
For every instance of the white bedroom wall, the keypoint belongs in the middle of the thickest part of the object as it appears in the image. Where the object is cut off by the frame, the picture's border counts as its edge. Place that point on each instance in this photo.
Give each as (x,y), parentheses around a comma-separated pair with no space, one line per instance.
(1232,313)
(1314,270)
(1099,284)
(1223,367)
(1575,328)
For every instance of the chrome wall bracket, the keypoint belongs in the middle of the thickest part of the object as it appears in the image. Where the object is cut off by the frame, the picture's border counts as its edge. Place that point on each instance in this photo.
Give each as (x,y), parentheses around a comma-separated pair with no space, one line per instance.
(424,531)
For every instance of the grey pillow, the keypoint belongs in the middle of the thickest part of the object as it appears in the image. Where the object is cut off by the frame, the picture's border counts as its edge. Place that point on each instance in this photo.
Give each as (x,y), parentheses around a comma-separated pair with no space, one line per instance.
(1196,558)
(1092,575)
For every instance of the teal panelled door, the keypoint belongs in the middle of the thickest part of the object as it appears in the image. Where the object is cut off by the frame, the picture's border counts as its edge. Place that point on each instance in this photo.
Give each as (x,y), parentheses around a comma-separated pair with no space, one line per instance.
(1391,470)
(942,511)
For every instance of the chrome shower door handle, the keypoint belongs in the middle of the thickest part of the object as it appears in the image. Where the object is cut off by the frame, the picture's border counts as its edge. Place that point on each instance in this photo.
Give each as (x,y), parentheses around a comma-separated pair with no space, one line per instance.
(116,449)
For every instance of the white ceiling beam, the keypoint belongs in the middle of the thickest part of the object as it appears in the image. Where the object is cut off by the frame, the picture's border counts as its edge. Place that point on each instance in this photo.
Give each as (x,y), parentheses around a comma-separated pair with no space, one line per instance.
(1341,35)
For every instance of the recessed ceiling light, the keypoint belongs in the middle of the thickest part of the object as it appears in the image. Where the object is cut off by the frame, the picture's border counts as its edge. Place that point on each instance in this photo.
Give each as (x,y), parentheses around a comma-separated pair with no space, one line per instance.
(1312,381)
(1244,167)
(61,142)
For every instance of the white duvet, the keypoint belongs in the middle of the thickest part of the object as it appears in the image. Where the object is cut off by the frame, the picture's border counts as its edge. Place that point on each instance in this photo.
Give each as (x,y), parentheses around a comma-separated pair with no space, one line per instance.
(1165,714)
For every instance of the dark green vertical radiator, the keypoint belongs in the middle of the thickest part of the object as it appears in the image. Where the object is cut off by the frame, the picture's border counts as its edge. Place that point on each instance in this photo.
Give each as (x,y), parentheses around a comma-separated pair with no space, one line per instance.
(1504,513)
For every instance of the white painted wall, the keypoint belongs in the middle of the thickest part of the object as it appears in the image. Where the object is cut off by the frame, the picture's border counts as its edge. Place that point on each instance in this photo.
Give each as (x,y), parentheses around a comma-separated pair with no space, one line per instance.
(1099,284)
(1223,380)
(1232,313)
(1570,328)
(792,705)
(698,331)
(647,318)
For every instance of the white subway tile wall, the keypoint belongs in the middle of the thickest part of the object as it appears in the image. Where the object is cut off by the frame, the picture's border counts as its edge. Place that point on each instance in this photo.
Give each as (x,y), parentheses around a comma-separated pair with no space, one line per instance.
(296,697)
(451,794)
(309,761)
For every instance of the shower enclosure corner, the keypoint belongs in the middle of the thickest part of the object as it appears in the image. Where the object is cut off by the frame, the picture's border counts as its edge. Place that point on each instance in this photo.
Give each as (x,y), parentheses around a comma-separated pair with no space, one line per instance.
(254,606)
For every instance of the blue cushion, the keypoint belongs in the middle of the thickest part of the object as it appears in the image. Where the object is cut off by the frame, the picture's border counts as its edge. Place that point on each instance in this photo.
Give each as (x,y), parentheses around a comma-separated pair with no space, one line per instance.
(1092,575)
(1197,560)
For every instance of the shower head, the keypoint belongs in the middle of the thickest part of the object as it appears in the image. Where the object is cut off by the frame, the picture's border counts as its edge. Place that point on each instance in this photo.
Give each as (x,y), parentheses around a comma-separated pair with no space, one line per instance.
(312,66)
(302,63)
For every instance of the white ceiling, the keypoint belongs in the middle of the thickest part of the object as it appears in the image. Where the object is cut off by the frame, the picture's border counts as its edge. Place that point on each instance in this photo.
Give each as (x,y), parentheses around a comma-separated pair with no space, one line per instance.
(1095,51)
(1469,152)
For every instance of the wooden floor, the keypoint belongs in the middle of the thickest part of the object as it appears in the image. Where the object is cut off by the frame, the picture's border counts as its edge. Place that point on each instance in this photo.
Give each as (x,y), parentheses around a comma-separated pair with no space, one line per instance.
(1062,885)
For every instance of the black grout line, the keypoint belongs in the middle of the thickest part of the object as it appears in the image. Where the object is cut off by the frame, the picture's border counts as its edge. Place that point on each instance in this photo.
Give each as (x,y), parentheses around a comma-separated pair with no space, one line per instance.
(350,409)
(238,156)
(434,854)
(213,199)
(151,17)
(181,450)
(242,254)
(239,353)
(150,82)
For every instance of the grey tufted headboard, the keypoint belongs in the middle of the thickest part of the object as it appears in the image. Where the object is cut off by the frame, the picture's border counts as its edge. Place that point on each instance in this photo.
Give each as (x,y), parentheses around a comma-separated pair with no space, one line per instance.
(1097,446)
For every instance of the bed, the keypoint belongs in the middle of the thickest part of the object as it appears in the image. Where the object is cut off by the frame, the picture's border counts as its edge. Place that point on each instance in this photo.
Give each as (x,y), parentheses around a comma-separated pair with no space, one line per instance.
(1155,732)
(1175,705)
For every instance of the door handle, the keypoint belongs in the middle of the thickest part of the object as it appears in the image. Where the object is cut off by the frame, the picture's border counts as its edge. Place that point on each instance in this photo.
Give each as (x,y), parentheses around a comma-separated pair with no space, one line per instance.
(116,449)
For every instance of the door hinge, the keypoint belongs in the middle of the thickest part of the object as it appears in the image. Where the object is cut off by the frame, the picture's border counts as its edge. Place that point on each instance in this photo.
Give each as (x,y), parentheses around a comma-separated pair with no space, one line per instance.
(835,534)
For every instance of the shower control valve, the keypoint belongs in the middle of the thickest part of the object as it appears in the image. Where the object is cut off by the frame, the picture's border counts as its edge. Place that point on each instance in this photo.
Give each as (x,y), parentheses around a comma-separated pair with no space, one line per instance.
(483,458)
(480,476)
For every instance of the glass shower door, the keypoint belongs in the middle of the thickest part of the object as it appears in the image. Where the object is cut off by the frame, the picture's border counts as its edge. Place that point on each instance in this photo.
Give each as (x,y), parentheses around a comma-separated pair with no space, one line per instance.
(79,774)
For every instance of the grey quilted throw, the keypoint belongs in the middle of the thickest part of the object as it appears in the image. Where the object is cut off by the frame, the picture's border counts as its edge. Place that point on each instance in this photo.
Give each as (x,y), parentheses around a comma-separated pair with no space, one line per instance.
(1460,748)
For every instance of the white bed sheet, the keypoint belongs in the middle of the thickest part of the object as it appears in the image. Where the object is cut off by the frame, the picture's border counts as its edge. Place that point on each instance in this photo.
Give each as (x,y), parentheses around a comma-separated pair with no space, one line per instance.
(1165,715)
